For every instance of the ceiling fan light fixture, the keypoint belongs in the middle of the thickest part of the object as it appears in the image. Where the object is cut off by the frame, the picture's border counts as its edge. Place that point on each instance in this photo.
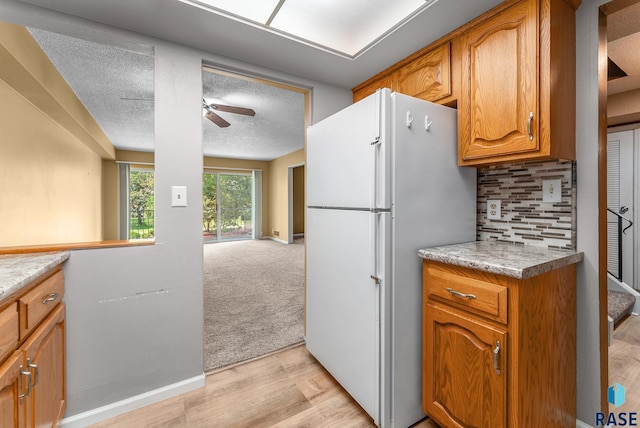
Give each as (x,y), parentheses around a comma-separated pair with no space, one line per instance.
(215,118)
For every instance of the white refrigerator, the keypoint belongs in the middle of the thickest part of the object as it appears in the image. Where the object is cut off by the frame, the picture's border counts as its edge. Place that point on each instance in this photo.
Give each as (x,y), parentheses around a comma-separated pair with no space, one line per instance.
(382,182)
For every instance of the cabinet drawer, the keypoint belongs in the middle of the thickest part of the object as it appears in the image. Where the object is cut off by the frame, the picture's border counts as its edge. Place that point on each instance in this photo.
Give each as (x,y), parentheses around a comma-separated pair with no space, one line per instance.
(9,330)
(471,294)
(39,302)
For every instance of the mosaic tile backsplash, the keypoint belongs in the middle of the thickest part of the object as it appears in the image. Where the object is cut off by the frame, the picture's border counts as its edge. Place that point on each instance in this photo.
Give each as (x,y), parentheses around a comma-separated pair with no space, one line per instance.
(525,218)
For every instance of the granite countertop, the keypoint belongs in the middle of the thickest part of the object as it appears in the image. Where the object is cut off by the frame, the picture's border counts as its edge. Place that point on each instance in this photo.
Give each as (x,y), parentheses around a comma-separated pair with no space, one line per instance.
(514,260)
(18,270)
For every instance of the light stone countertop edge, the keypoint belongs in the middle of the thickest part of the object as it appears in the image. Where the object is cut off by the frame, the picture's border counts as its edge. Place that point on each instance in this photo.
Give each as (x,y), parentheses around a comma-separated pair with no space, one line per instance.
(18,270)
(513,260)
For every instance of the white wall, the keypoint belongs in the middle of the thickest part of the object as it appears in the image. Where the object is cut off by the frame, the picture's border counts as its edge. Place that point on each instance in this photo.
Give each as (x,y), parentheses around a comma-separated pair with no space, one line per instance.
(134,315)
(588,370)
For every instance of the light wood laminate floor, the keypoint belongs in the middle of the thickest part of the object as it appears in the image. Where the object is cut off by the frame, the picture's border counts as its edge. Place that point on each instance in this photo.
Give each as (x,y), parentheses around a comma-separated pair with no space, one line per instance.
(624,363)
(285,389)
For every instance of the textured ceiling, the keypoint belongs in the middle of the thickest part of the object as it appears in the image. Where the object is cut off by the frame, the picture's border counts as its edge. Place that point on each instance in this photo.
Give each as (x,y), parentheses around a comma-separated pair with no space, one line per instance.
(277,128)
(117,87)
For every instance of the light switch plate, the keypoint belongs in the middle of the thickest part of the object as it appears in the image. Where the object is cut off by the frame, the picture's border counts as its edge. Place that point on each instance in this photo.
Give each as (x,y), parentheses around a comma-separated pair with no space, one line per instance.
(178,196)
(552,190)
(493,209)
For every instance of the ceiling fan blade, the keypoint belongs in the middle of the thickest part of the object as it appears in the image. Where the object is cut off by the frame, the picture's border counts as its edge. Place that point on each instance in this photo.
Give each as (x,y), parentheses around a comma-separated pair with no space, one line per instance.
(216,119)
(232,109)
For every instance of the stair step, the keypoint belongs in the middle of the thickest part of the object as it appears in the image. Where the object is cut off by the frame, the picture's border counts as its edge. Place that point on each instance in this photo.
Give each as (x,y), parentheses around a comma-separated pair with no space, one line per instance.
(619,305)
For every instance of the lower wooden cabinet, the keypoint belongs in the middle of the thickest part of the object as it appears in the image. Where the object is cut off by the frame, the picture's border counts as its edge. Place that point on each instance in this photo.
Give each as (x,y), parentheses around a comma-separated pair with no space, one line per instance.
(44,358)
(32,378)
(466,383)
(12,407)
(499,351)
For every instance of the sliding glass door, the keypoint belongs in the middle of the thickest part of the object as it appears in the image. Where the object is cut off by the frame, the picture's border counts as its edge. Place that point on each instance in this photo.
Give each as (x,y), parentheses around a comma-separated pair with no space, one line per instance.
(227,206)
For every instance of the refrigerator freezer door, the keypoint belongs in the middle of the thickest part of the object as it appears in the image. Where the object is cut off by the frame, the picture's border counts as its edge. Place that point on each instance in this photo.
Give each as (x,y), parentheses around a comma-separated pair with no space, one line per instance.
(343,301)
(348,156)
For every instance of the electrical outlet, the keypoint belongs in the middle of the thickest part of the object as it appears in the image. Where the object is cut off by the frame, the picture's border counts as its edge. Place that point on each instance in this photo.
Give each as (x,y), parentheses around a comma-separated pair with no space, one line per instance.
(552,190)
(276,233)
(493,209)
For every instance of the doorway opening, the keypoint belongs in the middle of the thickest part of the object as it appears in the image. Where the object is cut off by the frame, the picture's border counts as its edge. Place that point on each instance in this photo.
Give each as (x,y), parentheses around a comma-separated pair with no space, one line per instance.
(253,216)
(620,157)
(296,177)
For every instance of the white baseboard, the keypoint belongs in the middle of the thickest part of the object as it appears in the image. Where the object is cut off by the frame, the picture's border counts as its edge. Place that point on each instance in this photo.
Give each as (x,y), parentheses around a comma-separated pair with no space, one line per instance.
(282,241)
(580,424)
(132,403)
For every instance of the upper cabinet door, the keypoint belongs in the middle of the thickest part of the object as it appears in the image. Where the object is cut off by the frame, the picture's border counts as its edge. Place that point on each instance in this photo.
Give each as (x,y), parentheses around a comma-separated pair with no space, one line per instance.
(498,106)
(429,76)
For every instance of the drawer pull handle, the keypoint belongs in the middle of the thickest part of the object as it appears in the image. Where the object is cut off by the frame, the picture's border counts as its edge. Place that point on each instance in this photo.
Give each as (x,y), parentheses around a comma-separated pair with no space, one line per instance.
(496,358)
(463,295)
(529,131)
(28,375)
(52,297)
(33,366)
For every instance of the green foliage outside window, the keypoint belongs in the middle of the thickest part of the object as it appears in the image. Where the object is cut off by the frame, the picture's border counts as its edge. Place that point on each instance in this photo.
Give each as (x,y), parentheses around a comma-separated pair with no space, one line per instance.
(235,201)
(141,204)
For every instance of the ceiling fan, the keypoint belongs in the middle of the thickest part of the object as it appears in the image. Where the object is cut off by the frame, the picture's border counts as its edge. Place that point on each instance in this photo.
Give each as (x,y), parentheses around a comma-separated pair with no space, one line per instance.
(213,117)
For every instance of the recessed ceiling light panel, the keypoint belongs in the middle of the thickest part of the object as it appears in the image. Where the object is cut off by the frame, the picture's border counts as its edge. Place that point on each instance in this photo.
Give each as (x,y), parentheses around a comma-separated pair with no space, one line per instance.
(254,10)
(344,27)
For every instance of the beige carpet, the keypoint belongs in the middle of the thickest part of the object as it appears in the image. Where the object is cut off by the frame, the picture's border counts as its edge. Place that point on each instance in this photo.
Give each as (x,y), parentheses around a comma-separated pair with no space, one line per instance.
(253,299)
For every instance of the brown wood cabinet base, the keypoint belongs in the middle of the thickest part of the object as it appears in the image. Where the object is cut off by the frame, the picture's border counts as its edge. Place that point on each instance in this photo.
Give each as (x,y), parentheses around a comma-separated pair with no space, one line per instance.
(481,370)
(32,377)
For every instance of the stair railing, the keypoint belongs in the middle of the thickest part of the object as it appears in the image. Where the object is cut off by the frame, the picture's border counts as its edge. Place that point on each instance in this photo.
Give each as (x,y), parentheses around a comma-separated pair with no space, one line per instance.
(621,231)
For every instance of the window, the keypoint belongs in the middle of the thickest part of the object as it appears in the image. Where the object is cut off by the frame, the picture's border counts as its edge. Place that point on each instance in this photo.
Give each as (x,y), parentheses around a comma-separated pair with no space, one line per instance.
(137,201)
(227,208)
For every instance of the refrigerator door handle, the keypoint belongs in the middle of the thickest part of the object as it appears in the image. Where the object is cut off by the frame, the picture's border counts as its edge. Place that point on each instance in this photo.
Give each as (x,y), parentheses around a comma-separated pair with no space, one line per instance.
(373,203)
(375,146)
(374,219)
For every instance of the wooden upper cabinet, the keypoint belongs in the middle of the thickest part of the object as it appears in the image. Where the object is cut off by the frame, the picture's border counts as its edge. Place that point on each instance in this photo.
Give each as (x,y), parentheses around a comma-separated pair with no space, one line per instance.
(498,108)
(370,86)
(506,110)
(427,77)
